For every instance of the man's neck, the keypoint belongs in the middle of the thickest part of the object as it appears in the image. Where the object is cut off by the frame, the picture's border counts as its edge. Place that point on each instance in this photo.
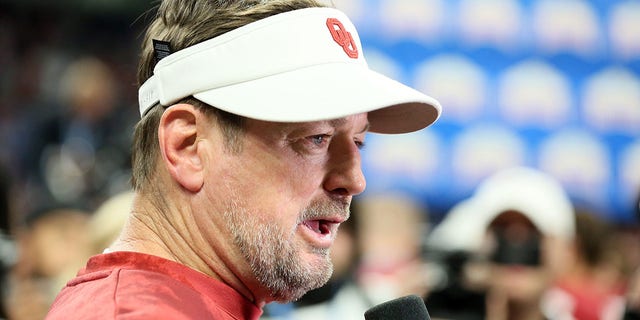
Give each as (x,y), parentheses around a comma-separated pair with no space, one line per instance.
(150,231)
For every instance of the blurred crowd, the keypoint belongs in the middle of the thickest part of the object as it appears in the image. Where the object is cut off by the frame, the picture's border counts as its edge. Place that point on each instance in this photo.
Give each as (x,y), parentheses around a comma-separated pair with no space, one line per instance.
(517,249)
(67,105)
(67,110)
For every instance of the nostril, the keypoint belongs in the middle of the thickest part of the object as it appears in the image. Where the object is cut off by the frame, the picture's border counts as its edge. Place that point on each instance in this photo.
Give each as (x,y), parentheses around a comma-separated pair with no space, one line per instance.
(340,191)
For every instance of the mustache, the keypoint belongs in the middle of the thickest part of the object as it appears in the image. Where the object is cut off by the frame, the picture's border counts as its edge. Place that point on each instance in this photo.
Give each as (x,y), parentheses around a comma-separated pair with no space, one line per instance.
(323,209)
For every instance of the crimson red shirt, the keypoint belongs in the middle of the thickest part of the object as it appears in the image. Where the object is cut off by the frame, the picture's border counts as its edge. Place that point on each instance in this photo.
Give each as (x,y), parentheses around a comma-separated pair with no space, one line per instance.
(130,285)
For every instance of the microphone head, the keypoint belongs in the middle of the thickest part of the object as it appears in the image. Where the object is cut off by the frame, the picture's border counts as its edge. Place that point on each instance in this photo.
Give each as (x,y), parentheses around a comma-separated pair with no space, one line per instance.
(406,308)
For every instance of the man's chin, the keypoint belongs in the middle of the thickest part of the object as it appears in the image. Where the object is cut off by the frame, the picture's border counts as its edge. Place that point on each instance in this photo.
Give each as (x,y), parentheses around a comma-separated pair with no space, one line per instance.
(321,275)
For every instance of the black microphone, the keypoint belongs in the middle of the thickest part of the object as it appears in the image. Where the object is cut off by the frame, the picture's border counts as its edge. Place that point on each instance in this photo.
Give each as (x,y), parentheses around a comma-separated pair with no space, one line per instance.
(406,308)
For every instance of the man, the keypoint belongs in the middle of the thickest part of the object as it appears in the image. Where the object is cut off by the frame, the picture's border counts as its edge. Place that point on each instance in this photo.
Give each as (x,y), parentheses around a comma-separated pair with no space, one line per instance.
(245,160)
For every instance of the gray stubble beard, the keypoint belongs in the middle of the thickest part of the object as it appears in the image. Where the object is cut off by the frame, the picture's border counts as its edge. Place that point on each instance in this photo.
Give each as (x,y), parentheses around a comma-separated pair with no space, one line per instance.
(269,250)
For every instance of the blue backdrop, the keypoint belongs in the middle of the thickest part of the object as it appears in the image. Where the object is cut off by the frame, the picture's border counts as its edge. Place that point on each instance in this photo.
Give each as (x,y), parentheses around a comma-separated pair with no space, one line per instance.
(551,84)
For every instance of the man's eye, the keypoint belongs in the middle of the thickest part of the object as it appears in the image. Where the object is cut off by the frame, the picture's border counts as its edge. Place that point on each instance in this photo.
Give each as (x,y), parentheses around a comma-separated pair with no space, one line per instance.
(319,140)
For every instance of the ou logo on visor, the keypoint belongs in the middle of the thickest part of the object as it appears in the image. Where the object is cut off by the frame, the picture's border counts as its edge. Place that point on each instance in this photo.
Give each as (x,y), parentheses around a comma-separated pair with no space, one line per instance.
(342,37)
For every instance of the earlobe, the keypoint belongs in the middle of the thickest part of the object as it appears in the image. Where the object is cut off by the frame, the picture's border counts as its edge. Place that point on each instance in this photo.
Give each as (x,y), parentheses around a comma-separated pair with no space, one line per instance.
(178,137)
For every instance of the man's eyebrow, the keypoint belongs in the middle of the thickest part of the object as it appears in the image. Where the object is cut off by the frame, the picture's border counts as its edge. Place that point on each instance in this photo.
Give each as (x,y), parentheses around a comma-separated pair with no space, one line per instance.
(338,122)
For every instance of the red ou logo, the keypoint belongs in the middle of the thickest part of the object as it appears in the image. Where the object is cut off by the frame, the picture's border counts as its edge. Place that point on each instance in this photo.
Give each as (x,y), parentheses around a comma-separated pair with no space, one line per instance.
(342,37)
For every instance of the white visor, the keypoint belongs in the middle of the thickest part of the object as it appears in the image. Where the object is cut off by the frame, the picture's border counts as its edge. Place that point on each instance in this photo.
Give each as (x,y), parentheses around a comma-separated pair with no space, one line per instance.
(298,66)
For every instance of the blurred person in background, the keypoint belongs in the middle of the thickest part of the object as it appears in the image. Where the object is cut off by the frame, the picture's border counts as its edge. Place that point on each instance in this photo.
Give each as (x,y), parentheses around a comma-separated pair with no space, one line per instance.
(391,233)
(632,306)
(79,153)
(593,286)
(7,246)
(245,160)
(632,298)
(107,221)
(515,229)
(517,273)
(52,245)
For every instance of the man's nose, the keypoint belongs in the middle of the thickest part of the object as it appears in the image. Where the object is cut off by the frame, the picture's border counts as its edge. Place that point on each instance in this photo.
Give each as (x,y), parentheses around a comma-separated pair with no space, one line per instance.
(345,177)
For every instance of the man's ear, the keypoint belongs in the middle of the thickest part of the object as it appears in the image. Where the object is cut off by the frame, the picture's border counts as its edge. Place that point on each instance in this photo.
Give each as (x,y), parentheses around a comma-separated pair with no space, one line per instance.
(178,136)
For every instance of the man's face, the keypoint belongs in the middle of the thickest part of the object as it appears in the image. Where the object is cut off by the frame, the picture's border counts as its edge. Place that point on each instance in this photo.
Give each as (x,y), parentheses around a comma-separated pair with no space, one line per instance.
(283,197)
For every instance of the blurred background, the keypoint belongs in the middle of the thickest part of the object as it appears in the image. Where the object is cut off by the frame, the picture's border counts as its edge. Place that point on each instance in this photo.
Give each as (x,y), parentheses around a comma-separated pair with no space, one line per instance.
(551,85)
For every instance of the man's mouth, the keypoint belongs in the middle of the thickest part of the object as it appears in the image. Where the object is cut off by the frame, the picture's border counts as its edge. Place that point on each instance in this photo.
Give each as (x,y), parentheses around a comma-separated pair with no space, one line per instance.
(320,226)
(319,232)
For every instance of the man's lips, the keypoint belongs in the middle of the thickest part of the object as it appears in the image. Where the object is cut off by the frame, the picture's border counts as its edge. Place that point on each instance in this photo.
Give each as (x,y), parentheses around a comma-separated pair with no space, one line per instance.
(319,226)
(321,232)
